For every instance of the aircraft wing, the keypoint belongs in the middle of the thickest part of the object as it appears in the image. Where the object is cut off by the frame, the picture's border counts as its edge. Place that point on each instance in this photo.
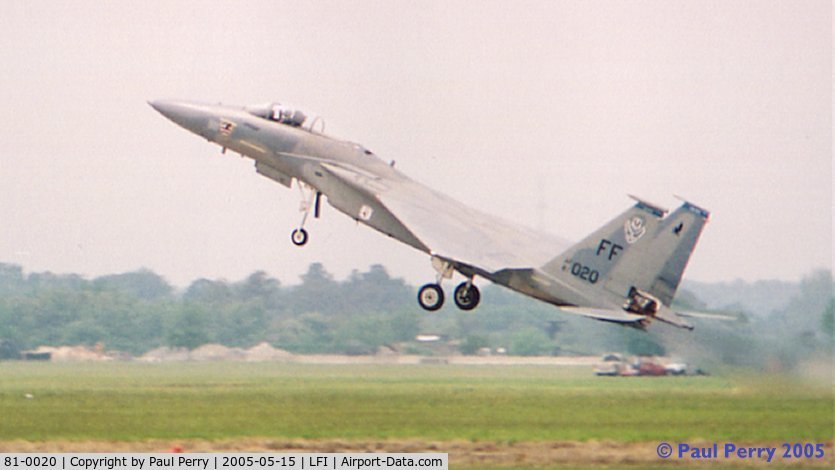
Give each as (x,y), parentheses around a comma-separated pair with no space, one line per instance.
(459,233)
(450,229)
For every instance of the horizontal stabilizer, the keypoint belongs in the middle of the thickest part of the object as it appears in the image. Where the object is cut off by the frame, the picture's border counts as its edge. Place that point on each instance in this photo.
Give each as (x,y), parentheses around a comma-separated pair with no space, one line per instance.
(675,318)
(604,314)
(664,314)
(709,316)
(667,315)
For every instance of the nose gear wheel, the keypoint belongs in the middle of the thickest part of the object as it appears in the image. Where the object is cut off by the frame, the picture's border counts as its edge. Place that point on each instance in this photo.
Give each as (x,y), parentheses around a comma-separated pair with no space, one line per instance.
(299,236)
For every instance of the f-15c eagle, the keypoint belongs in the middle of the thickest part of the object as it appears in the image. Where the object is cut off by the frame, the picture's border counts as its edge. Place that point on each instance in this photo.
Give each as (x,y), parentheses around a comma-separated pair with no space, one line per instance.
(626,272)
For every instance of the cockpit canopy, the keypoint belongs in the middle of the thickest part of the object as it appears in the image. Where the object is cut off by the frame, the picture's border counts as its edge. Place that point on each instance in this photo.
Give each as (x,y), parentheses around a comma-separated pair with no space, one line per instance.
(280,113)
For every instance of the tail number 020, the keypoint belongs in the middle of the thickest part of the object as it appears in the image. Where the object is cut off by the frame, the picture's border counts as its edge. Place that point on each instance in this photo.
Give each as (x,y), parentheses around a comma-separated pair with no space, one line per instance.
(585,273)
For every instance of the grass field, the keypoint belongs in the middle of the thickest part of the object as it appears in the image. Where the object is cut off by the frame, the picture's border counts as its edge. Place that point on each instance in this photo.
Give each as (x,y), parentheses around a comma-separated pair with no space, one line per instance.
(506,405)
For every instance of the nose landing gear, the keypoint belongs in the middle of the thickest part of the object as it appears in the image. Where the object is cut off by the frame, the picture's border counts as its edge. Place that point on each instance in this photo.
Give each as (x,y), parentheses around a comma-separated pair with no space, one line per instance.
(299,236)
(309,201)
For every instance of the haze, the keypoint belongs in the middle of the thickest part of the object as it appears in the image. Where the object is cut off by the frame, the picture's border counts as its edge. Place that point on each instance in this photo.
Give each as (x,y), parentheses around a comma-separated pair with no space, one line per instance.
(545,113)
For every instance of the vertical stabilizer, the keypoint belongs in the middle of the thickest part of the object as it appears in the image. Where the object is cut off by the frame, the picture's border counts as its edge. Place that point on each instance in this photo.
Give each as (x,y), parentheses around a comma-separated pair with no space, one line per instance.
(641,249)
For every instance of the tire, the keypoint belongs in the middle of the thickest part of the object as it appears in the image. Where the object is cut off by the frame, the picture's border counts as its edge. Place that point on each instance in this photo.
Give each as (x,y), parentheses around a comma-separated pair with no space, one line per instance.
(299,236)
(431,297)
(467,299)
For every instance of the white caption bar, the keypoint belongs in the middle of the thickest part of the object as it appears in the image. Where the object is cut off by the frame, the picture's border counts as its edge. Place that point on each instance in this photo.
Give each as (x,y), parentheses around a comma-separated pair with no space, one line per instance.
(225,461)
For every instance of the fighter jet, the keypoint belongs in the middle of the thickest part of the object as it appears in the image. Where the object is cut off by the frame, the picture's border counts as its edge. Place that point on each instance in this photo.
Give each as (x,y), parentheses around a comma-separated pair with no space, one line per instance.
(626,272)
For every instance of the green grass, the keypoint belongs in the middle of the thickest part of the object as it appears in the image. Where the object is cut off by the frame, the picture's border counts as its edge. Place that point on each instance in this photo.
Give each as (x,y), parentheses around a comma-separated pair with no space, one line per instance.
(125,401)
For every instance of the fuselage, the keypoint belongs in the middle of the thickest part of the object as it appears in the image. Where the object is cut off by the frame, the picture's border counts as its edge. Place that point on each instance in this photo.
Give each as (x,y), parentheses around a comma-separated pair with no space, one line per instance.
(625,272)
(349,175)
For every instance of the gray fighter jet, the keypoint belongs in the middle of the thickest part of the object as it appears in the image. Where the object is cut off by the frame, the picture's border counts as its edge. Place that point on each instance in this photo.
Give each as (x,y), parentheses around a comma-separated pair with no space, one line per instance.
(626,272)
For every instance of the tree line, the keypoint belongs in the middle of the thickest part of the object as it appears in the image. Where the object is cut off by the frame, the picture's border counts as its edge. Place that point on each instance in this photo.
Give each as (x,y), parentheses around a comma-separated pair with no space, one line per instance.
(139,311)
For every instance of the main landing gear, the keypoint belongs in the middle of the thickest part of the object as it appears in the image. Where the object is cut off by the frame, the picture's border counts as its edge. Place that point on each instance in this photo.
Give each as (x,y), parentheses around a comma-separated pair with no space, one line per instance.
(431,296)
(311,200)
(467,295)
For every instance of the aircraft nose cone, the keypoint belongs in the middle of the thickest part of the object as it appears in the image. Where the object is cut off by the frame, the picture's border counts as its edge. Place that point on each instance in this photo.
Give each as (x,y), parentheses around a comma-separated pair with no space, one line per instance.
(168,108)
(157,104)
(190,116)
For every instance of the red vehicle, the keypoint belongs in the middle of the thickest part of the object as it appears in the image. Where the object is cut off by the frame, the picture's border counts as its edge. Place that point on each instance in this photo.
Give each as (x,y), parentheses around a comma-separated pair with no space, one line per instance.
(616,365)
(647,367)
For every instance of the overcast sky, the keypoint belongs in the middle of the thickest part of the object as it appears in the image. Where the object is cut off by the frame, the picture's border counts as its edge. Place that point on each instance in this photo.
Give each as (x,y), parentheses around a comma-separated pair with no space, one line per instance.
(545,113)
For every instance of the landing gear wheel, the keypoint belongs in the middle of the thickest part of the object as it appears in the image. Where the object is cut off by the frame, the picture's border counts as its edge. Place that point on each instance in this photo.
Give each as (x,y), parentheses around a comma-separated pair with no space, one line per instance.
(431,297)
(467,298)
(299,236)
